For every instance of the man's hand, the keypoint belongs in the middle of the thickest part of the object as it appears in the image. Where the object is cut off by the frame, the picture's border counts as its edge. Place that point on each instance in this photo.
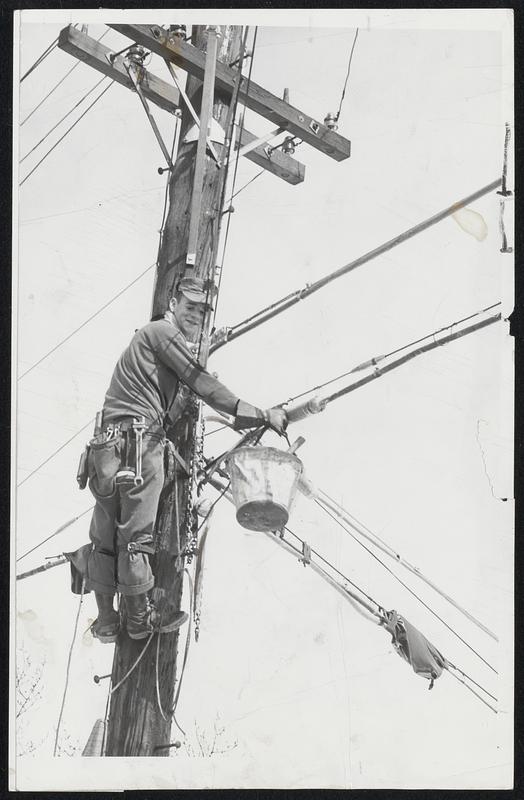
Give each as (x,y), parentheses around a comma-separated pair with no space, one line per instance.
(276,418)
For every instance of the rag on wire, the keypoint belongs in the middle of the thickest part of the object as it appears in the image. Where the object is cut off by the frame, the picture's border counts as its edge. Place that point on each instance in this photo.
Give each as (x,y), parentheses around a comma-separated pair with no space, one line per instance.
(412,645)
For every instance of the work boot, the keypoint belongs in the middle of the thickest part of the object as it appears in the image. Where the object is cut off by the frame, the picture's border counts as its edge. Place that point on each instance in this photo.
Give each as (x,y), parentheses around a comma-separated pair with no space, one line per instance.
(143,619)
(106,626)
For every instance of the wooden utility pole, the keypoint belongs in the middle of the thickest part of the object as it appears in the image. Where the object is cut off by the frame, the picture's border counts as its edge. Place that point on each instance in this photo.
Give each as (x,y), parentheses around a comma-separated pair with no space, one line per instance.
(144,672)
(139,721)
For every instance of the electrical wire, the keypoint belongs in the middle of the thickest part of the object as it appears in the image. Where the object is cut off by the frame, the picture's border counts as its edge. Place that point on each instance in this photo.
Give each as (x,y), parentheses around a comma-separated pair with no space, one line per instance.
(58,530)
(40,58)
(86,321)
(373,361)
(362,530)
(471,679)
(226,236)
(347,76)
(75,65)
(67,131)
(373,555)
(473,691)
(55,452)
(215,234)
(380,608)
(49,132)
(332,566)
(68,668)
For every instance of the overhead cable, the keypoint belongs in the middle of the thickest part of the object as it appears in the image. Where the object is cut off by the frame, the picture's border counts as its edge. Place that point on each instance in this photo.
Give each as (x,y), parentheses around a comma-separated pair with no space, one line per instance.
(86,321)
(49,132)
(55,452)
(279,306)
(40,58)
(372,362)
(324,499)
(374,610)
(75,123)
(347,77)
(242,119)
(379,371)
(414,594)
(58,530)
(55,87)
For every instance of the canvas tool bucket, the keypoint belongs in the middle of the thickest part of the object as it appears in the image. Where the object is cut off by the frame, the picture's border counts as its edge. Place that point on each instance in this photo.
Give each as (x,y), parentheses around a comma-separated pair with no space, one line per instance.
(264,483)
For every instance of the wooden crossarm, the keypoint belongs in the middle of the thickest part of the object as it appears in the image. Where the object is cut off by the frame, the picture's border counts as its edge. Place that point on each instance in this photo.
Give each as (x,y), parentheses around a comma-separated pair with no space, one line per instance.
(258,99)
(166,96)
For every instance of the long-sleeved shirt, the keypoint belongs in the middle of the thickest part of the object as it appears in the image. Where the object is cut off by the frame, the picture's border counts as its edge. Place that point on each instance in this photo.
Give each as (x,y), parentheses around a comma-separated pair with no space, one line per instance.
(148,374)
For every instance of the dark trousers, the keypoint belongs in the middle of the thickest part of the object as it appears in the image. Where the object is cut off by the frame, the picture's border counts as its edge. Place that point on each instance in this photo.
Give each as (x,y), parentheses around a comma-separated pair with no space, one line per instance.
(123,514)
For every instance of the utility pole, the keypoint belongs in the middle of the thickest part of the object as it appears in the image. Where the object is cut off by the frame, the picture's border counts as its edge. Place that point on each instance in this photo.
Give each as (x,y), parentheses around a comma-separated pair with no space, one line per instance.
(136,724)
(144,672)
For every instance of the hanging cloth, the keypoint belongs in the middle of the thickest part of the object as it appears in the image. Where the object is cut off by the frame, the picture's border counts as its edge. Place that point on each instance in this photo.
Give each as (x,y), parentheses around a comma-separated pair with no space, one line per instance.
(414,648)
(78,563)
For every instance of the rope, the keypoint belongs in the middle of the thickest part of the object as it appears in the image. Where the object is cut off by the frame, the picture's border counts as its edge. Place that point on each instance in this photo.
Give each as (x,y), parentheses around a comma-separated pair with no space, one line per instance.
(75,65)
(49,132)
(86,321)
(67,131)
(36,469)
(59,530)
(186,648)
(40,58)
(458,636)
(186,651)
(68,668)
(130,670)
(347,76)
(376,359)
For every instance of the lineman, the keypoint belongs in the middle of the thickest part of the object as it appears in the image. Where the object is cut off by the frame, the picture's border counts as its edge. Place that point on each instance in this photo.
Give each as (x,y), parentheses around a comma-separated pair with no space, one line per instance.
(144,385)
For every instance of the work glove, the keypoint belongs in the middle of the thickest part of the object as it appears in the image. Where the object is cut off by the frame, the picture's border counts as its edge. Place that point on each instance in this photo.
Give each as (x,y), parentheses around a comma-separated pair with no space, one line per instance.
(276,418)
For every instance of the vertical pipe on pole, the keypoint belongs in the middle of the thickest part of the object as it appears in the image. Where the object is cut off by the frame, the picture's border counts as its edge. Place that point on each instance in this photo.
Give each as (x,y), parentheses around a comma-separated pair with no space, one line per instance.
(206,112)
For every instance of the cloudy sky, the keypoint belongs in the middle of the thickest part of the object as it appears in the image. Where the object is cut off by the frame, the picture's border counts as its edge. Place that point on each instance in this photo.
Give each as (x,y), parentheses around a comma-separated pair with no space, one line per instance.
(309,693)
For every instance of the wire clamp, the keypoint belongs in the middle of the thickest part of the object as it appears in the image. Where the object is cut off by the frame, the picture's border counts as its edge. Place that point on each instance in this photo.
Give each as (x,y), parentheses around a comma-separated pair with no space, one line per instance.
(306,554)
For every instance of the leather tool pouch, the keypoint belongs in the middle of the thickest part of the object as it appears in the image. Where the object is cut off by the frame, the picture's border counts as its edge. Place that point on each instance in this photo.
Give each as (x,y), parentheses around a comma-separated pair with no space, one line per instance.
(83,472)
(103,463)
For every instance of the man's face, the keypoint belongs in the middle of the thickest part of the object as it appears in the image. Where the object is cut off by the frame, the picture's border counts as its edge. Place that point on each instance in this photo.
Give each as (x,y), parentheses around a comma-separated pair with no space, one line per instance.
(189,316)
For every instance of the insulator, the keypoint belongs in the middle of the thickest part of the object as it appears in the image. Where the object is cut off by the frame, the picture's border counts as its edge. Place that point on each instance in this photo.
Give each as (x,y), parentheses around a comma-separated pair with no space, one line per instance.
(289,146)
(330,121)
(177,31)
(305,409)
(136,54)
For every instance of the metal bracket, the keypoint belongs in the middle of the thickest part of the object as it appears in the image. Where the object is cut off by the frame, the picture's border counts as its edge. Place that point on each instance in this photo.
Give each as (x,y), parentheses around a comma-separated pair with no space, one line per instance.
(306,554)
(132,71)
(267,137)
(191,110)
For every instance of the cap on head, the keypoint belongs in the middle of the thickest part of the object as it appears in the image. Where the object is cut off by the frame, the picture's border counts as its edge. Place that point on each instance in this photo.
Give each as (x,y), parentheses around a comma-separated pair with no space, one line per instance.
(196,290)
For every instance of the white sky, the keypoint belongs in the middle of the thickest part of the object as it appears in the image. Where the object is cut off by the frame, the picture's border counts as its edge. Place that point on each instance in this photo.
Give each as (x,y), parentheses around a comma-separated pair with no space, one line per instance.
(314,694)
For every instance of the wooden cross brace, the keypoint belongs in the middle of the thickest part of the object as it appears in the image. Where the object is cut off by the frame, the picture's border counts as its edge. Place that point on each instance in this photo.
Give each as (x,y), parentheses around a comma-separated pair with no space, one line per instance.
(167,97)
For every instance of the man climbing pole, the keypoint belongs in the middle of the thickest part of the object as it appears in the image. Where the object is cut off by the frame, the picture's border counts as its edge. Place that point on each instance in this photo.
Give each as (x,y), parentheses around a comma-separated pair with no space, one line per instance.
(125,464)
